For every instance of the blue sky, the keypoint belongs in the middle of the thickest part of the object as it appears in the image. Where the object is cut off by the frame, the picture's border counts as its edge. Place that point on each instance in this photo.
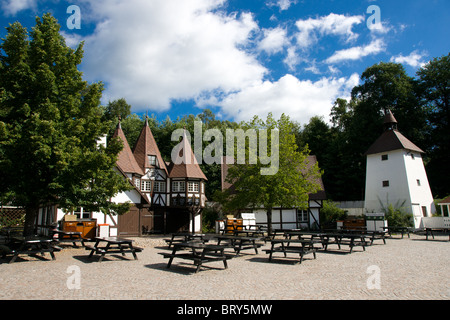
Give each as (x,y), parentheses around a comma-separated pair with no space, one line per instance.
(240,58)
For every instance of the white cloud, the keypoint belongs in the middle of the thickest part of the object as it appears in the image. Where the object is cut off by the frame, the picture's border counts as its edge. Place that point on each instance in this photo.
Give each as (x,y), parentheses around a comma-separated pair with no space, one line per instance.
(299,99)
(358,52)
(333,24)
(12,7)
(152,52)
(274,40)
(414,59)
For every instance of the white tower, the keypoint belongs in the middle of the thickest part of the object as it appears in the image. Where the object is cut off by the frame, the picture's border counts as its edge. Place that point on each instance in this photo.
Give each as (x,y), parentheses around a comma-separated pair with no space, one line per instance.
(396,175)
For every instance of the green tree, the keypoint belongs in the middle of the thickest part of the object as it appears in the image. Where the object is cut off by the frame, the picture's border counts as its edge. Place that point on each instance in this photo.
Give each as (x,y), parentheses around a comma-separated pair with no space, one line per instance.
(288,187)
(50,121)
(434,88)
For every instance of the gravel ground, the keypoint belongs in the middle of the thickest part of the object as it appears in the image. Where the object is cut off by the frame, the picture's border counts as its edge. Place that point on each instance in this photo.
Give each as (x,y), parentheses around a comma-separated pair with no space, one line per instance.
(401,269)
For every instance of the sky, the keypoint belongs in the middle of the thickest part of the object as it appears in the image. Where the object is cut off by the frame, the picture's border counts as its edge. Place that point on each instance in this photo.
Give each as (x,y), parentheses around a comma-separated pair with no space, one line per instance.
(239,58)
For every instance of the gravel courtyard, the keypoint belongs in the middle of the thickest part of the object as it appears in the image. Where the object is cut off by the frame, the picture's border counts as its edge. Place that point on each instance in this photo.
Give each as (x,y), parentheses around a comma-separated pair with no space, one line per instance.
(409,268)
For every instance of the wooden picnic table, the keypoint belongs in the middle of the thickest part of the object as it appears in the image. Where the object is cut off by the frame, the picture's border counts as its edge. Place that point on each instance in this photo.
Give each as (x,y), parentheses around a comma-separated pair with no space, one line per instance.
(286,246)
(113,245)
(239,243)
(179,237)
(198,252)
(402,230)
(67,236)
(330,237)
(432,231)
(30,246)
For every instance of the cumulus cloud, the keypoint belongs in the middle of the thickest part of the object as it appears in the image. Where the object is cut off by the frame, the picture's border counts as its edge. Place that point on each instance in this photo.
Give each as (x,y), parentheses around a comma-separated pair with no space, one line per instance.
(414,59)
(154,52)
(300,99)
(356,53)
(12,7)
(333,24)
(274,40)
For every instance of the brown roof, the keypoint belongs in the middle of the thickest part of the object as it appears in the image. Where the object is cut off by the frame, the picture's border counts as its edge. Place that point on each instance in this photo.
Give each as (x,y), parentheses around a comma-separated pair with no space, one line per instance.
(310,161)
(392,140)
(126,161)
(186,165)
(445,201)
(146,145)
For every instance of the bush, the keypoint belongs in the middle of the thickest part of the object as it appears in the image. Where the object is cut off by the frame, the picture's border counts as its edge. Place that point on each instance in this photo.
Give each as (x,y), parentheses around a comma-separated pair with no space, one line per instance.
(397,216)
(330,213)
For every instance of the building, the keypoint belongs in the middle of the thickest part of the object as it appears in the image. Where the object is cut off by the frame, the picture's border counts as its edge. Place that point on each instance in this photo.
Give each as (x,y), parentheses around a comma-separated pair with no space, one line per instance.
(165,198)
(283,217)
(396,175)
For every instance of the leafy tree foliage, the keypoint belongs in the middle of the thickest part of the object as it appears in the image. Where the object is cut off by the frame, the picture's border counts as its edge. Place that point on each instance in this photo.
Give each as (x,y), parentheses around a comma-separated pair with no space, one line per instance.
(50,120)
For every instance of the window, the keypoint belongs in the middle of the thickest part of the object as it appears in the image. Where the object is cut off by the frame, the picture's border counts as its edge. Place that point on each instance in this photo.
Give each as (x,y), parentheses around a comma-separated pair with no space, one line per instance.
(302,215)
(418,182)
(81,213)
(137,182)
(193,186)
(146,185)
(412,156)
(386,183)
(152,160)
(159,186)
(178,201)
(178,186)
(384,157)
(424,211)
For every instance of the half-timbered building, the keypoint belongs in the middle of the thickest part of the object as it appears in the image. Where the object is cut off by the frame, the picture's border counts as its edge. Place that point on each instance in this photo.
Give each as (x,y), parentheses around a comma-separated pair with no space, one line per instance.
(165,197)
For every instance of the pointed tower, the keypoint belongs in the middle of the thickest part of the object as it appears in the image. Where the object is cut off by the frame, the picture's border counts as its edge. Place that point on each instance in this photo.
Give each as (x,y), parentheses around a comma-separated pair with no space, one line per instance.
(150,161)
(395,174)
(187,188)
(126,161)
(187,179)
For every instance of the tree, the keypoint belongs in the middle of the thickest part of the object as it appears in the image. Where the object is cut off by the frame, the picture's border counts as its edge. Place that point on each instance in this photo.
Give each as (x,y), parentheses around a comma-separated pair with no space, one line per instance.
(289,186)
(434,88)
(50,121)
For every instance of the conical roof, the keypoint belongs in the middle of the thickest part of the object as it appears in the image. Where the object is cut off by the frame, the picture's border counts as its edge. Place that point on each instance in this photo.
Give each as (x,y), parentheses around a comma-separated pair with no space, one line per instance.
(184,164)
(391,139)
(145,146)
(126,161)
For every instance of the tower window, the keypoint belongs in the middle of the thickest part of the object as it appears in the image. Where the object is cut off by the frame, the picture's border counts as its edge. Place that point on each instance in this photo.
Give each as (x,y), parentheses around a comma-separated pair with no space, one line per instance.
(418,182)
(193,186)
(146,185)
(412,156)
(152,160)
(384,157)
(386,183)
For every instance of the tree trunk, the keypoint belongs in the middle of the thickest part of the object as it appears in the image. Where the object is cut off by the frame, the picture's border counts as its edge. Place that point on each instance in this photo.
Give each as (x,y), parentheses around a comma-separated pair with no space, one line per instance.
(31,212)
(269,221)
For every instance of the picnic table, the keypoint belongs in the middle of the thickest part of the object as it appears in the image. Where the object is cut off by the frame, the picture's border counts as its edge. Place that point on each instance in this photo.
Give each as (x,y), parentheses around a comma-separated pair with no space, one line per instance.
(352,239)
(402,230)
(113,245)
(432,231)
(296,246)
(198,252)
(29,246)
(180,237)
(239,243)
(68,236)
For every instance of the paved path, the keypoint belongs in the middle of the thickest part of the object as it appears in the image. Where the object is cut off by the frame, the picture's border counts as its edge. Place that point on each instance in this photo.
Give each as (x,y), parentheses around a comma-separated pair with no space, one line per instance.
(406,269)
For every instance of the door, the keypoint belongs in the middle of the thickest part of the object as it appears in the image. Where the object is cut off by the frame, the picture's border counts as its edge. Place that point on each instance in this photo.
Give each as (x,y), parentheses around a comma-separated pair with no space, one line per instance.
(128,223)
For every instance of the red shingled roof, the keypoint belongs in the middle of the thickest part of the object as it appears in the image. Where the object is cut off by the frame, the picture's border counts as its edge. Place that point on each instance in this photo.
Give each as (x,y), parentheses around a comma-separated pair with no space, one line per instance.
(146,145)
(126,161)
(186,165)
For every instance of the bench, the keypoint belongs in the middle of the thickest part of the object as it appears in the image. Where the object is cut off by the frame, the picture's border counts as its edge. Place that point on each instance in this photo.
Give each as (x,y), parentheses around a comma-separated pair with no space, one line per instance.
(109,250)
(196,258)
(307,247)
